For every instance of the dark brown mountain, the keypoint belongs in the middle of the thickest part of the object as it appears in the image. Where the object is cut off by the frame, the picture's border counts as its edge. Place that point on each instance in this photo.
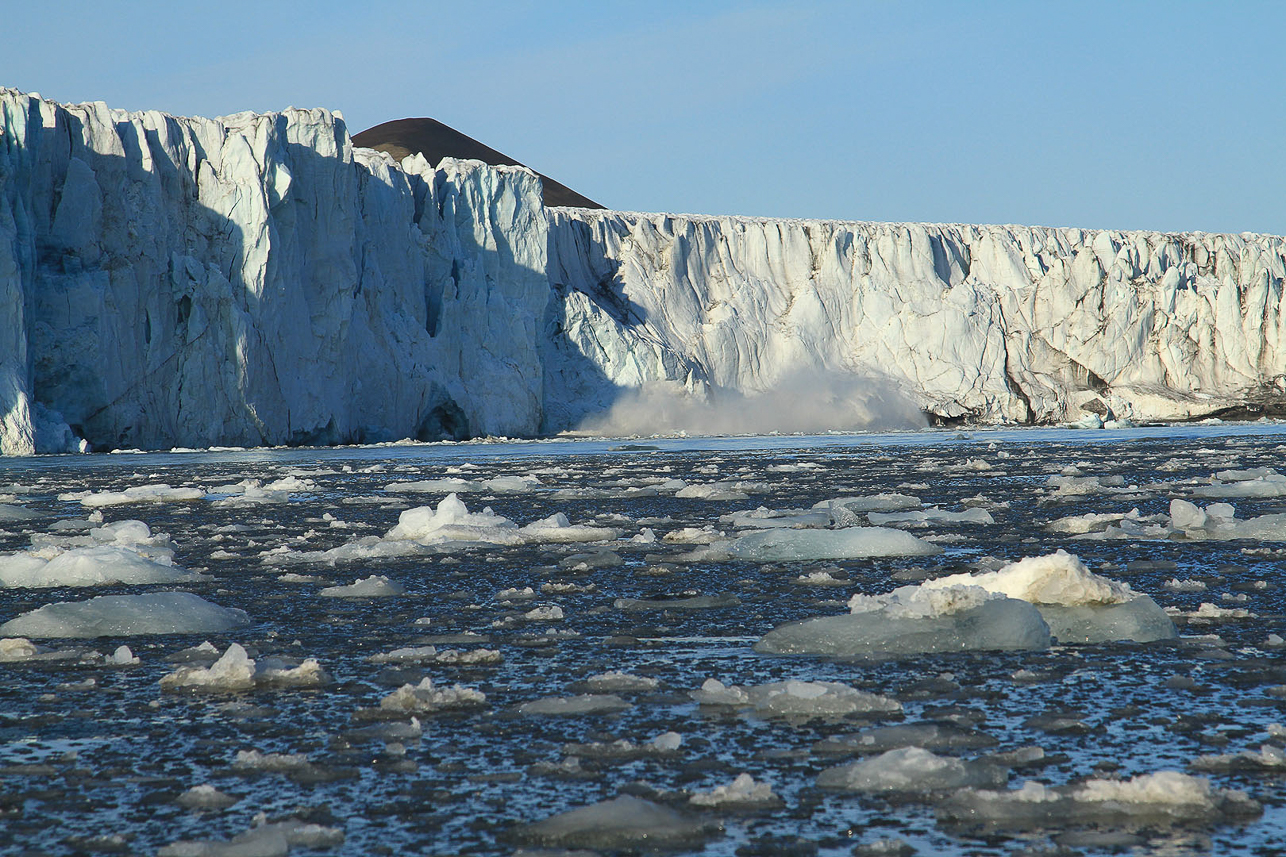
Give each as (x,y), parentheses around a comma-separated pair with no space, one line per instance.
(436,141)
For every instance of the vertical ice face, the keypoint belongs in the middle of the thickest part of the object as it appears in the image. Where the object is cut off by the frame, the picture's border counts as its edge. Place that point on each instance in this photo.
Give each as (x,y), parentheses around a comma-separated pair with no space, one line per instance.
(993,322)
(256,280)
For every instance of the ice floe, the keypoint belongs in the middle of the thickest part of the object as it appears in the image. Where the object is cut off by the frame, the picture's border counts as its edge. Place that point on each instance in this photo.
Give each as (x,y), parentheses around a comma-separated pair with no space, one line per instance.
(744,792)
(1078,605)
(777,545)
(1163,798)
(626,822)
(915,620)
(127,615)
(375,586)
(911,769)
(795,699)
(235,670)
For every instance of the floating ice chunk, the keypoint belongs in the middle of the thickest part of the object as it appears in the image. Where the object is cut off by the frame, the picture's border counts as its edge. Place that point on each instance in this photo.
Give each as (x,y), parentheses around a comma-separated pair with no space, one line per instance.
(911,769)
(127,615)
(122,657)
(86,566)
(452,521)
(619,682)
(556,529)
(424,698)
(872,503)
(434,486)
(158,493)
(626,822)
(848,543)
(205,797)
(549,613)
(1269,758)
(796,699)
(512,484)
(1260,482)
(764,518)
(1207,612)
(272,763)
(513,594)
(16,649)
(585,703)
(1078,605)
(885,847)
(712,491)
(16,513)
(265,840)
(375,586)
(1083,486)
(1090,522)
(820,578)
(1186,585)
(1161,798)
(928,517)
(694,535)
(742,793)
(928,736)
(666,742)
(914,620)
(233,671)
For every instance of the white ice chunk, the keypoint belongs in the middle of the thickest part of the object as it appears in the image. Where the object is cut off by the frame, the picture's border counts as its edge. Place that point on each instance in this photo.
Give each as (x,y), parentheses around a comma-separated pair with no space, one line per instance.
(796,699)
(848,543)
(911,769)
(743,791)
(1078,605)
(127,615)
(1163,797)
(86,566)
(158,493)
(375,586)
(451,520)
(425,698)
(585,703)
(626,822)
(914,620)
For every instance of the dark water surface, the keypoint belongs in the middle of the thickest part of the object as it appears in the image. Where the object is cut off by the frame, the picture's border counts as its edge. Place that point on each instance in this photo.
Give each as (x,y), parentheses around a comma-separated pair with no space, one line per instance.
(90,751)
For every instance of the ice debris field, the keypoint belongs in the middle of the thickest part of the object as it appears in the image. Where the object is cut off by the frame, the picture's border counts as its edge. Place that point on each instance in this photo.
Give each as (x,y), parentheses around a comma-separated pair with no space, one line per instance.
(993,643)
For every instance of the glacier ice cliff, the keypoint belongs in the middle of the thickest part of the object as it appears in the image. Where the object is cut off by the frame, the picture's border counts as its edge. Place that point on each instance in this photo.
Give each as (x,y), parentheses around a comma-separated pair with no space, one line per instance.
(257,280)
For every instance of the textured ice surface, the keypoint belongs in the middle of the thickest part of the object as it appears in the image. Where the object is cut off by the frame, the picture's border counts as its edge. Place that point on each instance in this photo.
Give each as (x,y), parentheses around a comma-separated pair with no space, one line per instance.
(911,769)
(1078,605)
(796,699)
(850,543)
(742,793)
(127,615)
(89,566)
(623,822)
(256,280)
(904,624)
(1167,798)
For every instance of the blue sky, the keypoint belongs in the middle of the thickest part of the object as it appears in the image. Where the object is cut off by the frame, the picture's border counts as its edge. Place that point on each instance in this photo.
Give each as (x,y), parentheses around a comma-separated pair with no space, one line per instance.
(1130,115)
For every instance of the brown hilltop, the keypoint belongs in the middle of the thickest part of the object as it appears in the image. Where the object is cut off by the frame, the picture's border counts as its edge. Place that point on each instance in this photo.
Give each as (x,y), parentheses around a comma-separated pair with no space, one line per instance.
(436,141)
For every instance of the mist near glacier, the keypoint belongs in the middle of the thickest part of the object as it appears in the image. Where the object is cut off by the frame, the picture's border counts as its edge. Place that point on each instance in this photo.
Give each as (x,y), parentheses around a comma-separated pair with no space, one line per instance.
(801,402)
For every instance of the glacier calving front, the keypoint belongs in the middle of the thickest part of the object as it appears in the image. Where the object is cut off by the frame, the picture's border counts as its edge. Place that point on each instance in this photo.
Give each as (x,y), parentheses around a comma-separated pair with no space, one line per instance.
(256,280)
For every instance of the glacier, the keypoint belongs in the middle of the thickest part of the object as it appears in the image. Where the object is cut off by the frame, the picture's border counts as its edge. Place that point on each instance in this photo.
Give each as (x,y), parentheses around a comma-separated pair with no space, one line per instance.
(257,280)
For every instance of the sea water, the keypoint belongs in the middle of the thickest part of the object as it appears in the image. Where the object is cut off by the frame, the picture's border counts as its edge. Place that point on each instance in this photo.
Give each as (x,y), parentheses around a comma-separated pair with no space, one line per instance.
(593,681)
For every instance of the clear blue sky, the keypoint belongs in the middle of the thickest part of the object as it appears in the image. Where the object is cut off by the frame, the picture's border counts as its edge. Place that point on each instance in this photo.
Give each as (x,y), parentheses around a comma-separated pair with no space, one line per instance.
(1165,115)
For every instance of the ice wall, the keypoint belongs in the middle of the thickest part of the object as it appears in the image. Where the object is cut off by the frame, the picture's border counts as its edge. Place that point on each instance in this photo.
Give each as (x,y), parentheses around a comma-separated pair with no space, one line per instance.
(256,280)
(994,323)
